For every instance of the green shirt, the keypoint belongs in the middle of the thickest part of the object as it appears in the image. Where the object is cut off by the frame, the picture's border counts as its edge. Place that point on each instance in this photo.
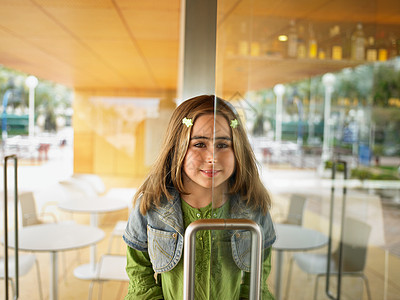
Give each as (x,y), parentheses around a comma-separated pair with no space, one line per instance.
(217,276)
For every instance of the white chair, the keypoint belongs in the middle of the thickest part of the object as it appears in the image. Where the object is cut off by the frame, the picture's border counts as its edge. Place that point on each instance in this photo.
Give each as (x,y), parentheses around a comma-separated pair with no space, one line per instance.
(92,185)
(125,194)
(93,180)
(354,256)
(119,228)
(25,264)
(30,215)
(78,188)
(295,212)
(109,268)
(116,233)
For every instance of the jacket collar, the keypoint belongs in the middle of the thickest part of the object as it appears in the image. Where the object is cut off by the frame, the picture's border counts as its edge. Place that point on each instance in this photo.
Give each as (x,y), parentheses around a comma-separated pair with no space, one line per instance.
(170,212)
(239,210)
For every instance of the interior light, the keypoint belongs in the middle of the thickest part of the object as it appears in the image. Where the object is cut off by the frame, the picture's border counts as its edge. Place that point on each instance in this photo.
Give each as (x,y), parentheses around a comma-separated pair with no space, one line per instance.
(283,38)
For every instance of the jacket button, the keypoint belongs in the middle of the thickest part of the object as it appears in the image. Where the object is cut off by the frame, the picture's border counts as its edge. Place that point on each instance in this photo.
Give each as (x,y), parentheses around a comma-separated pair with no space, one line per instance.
(198,215)
(174,235)
(238,235)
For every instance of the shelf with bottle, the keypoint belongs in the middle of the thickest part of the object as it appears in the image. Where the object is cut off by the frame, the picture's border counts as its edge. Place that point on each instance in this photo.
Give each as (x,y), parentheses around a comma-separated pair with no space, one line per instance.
(275,58)
(260,72)
(312,41)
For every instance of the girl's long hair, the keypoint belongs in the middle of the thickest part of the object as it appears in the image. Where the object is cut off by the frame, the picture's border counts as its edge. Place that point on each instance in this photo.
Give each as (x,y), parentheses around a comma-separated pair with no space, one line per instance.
(167,170)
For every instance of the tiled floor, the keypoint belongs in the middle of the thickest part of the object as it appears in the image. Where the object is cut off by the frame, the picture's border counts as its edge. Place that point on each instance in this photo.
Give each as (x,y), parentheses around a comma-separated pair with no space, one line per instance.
(383,266)
(382,271)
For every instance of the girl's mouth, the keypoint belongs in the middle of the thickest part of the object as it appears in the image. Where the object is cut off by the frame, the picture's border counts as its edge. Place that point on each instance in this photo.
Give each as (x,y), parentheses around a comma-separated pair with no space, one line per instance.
(209,173)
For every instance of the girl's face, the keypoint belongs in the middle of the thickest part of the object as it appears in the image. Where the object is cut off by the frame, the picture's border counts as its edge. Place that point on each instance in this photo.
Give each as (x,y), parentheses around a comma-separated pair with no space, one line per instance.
(209,159)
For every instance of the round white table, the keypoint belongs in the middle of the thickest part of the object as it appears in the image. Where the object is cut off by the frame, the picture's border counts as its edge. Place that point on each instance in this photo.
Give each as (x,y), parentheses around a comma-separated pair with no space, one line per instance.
(94,206)
(53,238)
(293,238)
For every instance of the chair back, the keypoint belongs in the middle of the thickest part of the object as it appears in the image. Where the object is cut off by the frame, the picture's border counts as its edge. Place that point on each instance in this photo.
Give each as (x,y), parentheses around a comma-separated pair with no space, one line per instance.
(296,209)
(77,188)
(28,209)
(25,264)
(112,267)
(355,242)
(93,180)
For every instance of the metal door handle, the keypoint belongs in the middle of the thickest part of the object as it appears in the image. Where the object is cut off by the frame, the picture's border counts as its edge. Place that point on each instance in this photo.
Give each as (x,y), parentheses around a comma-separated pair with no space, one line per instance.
(221,224)
(6,158)
(328,267)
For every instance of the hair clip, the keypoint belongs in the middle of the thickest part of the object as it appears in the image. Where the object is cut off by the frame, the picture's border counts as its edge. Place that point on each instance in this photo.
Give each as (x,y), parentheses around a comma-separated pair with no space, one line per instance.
(234,123)
(187,122)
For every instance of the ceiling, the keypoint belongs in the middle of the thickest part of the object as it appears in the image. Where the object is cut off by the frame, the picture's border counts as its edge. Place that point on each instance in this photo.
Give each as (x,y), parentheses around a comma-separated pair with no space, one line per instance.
(93,43)
(134,45)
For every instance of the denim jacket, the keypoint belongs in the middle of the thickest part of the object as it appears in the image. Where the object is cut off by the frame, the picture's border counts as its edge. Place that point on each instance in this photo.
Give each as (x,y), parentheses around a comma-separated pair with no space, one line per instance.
(161,233)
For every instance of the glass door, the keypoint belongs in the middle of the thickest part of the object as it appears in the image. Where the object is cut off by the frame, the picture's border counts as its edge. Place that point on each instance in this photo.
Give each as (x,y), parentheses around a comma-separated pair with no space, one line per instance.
(316,89)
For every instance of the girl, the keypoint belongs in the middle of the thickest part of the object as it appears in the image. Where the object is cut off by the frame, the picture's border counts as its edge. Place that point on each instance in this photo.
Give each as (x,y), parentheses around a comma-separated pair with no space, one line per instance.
(206,170)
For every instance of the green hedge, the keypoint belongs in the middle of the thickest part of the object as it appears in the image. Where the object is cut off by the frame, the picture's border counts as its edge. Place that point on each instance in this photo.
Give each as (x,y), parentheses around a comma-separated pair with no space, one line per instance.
(339,167)
(372,174)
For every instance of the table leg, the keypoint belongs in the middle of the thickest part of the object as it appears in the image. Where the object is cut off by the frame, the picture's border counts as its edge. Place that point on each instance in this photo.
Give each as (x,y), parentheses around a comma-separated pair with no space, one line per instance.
(53,276)
(278,274)
(88,271)
(94,223)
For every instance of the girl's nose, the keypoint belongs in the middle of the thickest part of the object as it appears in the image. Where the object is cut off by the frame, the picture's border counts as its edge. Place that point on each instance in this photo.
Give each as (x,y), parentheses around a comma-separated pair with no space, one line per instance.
(211,158)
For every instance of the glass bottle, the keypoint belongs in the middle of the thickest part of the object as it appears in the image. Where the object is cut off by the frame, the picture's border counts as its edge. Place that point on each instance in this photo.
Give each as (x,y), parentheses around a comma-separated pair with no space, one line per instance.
(382,46)
(336,43)
(292,40)
(255,48)
(371,52)
(243,44)
(322,47)
(312,43)
(393,51)
(358,43)
(346,40)
(301,44)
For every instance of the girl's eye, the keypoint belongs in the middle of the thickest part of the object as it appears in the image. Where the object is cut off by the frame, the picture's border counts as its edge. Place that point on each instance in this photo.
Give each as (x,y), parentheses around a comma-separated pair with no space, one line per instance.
(199,145)
(222,145)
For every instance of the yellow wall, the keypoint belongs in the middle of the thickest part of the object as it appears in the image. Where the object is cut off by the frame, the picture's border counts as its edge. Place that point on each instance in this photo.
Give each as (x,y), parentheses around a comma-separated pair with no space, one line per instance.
(110,137)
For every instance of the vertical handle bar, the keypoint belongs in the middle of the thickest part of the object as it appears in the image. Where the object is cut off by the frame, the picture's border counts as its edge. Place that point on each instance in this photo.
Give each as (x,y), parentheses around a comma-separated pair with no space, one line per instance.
(328,268)
(6,275)
(221,224)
